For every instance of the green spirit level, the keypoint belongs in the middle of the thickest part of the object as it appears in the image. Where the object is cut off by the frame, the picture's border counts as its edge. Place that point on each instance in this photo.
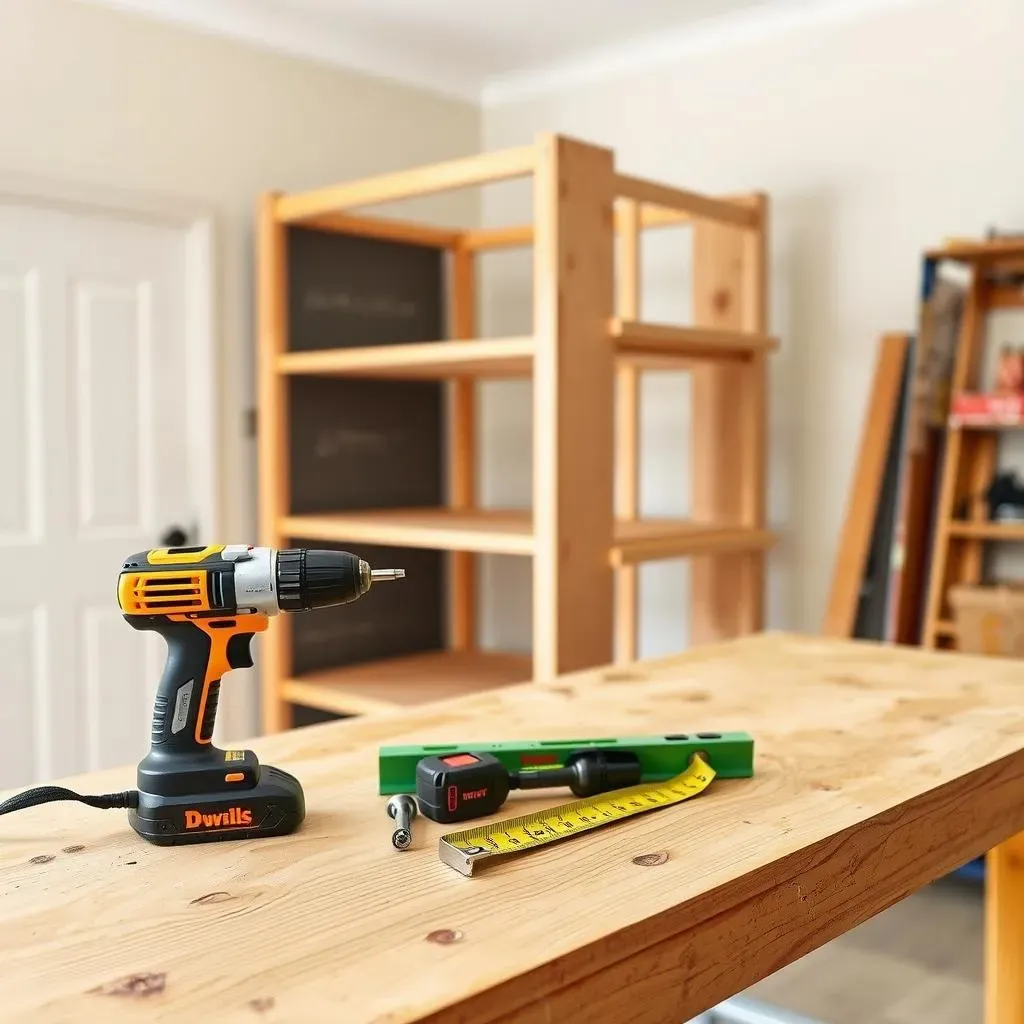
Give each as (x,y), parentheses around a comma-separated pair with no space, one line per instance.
(730,754)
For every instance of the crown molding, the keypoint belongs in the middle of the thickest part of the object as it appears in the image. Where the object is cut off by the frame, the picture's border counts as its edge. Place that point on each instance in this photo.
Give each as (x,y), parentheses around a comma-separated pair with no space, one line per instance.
(303,33)
(761,24)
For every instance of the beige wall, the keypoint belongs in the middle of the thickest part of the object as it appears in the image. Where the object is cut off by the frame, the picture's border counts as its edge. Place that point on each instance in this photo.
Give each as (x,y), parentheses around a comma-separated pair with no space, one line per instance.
(98,97)
(875,139)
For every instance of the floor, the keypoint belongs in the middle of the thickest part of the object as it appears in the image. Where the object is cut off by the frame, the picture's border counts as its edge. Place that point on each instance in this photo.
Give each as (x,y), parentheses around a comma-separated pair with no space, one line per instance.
(920,962)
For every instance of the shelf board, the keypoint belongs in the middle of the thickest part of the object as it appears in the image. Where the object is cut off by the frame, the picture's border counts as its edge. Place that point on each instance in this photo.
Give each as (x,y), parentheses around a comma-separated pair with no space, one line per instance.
(428,360)
(486,531)
(637,339)
(510,532)
(984,530)
(998,252)
(647,346)
(392,683)
(985,423)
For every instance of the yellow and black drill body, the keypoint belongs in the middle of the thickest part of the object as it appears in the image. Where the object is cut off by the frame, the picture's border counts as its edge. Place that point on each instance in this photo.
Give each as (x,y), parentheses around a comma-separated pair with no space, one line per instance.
(207,603)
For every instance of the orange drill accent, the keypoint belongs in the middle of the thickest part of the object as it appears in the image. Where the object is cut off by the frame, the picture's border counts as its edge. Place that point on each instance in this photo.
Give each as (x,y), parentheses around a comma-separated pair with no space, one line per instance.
(218,664)
(163,593)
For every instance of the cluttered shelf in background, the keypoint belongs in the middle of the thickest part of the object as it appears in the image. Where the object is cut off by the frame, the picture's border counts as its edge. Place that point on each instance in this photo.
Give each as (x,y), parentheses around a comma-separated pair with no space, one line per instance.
(510,532)
(408,680)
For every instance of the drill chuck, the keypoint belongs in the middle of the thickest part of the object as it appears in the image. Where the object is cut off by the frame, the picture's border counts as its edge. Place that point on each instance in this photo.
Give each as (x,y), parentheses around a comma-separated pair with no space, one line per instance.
(309,578)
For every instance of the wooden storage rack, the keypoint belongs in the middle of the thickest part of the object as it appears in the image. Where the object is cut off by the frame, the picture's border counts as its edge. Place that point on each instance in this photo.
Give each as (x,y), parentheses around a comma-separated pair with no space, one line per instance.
(970,454)
(588,346)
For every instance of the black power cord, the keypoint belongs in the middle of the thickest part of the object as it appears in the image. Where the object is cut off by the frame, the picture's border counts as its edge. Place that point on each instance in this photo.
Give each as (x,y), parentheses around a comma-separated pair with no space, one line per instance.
(48,794)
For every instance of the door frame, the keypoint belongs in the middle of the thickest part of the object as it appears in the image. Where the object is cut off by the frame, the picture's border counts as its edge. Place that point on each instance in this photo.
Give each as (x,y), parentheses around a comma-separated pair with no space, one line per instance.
(203,431)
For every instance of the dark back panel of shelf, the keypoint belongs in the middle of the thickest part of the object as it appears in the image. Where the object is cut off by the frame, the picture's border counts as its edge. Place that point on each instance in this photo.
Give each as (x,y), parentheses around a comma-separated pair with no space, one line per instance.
(394,618)
(348,291)
(365,444)
(361,444)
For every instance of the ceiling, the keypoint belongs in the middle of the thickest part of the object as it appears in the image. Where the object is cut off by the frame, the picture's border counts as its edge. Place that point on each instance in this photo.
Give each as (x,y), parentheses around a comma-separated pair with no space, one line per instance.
(474,49)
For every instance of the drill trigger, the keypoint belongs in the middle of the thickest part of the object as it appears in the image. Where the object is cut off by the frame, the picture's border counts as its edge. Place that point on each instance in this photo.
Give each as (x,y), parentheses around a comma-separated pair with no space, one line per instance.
(239,652)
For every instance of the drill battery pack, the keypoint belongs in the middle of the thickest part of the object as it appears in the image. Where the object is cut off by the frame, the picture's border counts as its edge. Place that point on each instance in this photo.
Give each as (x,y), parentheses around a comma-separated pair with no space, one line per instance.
(221,795)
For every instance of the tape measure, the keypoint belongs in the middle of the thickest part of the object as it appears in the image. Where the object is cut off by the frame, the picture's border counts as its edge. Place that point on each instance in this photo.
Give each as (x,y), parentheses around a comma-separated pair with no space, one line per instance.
(462,850)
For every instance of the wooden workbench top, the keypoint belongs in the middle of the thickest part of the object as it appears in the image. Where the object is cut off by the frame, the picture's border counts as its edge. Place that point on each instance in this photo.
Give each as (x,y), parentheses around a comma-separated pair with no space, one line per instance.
(877,770)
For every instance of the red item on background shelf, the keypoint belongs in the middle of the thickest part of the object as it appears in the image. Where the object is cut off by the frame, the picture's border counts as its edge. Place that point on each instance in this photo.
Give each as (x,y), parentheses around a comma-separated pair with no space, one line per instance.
(981,409)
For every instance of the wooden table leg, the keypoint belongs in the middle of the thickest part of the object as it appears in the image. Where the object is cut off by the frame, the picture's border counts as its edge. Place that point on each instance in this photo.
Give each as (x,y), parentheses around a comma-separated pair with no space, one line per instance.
(1004,933)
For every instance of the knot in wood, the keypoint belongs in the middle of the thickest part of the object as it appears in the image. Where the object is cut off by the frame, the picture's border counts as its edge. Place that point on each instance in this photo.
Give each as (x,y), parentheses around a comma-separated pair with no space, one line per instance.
(137,985)
(651,860)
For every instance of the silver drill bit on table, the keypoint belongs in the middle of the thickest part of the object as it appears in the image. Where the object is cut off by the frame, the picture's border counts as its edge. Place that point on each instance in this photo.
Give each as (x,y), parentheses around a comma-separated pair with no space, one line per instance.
(403,809)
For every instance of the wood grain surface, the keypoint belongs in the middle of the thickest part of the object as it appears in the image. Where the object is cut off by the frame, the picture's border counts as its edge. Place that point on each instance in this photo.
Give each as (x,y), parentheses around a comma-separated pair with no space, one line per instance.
(877,770)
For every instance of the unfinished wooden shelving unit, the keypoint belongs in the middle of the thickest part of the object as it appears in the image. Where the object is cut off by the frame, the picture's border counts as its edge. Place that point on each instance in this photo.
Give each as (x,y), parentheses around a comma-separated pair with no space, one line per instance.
(588,347)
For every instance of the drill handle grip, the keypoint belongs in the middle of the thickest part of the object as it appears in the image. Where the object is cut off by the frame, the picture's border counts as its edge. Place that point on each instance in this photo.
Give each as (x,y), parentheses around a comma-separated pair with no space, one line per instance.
(199,652)
(183,685)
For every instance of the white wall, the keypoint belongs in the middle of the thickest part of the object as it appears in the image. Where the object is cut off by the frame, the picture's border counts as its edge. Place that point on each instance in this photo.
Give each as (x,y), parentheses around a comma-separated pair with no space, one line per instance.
(875,139)
(93,96)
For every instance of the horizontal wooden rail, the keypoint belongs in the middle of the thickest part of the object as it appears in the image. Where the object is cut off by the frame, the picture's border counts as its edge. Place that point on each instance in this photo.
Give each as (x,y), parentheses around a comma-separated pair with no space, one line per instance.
(383,188)
(696,205)
(986,530)
(424,360)
(512,237)
(651,541)
(1006,297)
(386,228)
(638,338)
(521,235)
(988,251)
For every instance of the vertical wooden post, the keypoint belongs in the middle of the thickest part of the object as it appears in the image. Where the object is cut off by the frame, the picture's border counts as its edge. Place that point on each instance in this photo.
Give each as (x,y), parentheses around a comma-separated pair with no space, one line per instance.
(573,399)
(627,426)
(462,451)
(1004,933)
(729,426)
(963,565)
(272,427)
(981,449)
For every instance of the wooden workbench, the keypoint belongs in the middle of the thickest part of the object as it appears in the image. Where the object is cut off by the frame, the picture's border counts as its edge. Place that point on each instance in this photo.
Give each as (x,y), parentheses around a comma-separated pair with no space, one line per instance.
(877,771)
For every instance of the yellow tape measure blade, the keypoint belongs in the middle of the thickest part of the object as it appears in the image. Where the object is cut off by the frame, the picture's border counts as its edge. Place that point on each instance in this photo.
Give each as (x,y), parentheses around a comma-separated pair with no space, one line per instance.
(462,850)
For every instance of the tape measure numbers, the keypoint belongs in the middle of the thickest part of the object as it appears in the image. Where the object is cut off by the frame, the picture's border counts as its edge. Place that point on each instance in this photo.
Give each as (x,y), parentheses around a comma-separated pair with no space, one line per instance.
(463,850)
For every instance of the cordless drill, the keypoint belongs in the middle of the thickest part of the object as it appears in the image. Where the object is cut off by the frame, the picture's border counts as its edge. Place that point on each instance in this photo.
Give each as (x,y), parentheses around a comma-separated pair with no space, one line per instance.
(207,603)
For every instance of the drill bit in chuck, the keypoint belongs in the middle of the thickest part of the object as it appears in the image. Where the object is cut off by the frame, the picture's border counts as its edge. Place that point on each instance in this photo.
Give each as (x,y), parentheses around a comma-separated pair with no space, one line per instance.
(368,576)
(376,575)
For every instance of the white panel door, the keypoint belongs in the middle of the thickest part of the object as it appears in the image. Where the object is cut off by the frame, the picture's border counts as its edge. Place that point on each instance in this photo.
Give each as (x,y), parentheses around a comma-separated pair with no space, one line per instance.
(93,467)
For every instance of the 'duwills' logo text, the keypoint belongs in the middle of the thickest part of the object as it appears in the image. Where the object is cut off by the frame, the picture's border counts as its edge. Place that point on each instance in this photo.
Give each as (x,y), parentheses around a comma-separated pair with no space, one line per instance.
(233,817)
